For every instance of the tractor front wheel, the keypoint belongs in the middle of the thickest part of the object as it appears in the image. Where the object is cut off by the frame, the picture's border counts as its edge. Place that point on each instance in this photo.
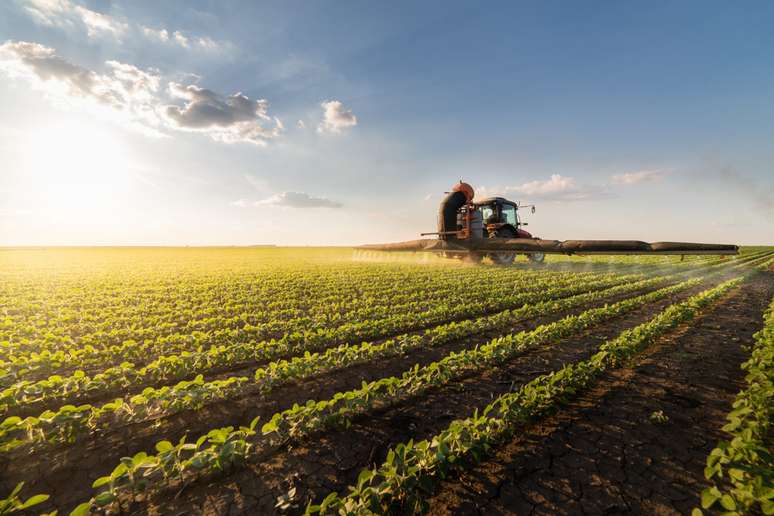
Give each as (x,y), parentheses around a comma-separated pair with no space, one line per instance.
(536,257)
(503,257)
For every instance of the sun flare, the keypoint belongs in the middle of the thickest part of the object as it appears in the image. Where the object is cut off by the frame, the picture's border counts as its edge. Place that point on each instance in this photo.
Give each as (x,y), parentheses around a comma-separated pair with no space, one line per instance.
(75,167)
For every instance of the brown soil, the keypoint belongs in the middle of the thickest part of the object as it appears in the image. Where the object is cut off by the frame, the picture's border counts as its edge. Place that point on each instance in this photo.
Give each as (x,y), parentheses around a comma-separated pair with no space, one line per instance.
(332,459)
(603,454)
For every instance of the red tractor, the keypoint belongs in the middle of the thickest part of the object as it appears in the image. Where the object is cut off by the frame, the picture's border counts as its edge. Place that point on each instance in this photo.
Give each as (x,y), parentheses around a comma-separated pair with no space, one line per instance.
(459,218)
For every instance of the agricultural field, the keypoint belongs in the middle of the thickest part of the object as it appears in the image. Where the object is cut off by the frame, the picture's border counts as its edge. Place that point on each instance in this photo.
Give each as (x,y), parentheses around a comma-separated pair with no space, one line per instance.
(337,381)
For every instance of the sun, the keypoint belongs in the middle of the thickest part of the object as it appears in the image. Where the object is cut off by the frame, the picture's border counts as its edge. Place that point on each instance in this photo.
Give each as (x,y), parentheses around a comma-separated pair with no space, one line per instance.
(73,152)
(75,167)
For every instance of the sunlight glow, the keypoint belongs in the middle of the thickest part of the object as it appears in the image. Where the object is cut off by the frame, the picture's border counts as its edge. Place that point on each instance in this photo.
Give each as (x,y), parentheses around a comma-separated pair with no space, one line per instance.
(78,170)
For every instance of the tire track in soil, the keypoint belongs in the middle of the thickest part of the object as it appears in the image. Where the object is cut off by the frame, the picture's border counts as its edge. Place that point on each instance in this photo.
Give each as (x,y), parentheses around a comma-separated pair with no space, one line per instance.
(66,472)
(331,460)
(602,454)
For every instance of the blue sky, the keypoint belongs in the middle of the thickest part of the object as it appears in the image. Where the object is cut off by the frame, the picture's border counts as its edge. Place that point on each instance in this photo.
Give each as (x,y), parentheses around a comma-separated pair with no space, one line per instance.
(119,124)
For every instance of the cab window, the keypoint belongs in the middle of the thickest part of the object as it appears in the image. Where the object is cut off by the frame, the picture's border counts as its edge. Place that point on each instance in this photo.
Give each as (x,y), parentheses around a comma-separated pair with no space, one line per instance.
(509,214)
(487,212)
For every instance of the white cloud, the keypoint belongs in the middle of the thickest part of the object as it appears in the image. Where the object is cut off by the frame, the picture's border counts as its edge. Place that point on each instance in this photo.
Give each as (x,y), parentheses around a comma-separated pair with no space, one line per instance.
(66,14)
(556,188)
(180,39)
(298,200)
(300,124)
(155,34)
(208,43)
(98,24)
(640,176)
(135,97)
(124,91)
(336,117)
(69,15)
(231,119)
(48,12)
(556,184)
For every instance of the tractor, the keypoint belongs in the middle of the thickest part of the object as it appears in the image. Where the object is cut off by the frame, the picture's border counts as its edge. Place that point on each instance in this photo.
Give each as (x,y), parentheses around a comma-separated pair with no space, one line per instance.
(492,217)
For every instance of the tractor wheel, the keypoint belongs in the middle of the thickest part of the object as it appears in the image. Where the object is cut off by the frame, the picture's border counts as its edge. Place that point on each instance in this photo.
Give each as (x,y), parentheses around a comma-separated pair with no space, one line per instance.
(536,257)
(503,257)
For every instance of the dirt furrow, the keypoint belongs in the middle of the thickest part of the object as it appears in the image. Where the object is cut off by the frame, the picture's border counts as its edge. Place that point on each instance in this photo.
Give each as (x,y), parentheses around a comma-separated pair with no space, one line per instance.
(635,443)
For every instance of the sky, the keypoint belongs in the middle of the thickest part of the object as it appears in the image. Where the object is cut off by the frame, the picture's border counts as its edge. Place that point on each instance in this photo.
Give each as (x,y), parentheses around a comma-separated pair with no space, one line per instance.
(343,122)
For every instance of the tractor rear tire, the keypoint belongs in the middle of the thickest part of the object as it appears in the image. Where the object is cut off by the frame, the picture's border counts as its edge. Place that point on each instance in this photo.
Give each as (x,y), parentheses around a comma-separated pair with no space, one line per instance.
(503,257)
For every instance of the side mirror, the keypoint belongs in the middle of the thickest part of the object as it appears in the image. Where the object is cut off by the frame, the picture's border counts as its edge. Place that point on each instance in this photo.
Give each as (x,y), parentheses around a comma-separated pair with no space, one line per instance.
(533,209)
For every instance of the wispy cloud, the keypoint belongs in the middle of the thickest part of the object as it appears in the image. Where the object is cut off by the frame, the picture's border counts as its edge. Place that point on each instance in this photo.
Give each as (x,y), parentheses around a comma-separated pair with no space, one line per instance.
(291,200)
(557,188)
(336,117)
(640,176)
(127,93)
(561,188)
(178,38)
(136,97)
(69,15)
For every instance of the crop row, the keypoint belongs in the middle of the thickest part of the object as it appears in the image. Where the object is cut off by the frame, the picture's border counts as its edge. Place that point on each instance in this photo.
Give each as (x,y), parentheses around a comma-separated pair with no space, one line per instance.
(36,306)
(189,287)
(179,462)
(742,468)
(197,314)
(72,337)
(146,311)
(767,264)
(70,423)
(172,367)
(404,480)
(113,328)
(51,329)
(300,419)
(80,354)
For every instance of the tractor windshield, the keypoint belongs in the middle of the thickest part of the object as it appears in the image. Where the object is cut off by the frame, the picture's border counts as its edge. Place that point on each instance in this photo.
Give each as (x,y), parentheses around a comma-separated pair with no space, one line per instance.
(509,214)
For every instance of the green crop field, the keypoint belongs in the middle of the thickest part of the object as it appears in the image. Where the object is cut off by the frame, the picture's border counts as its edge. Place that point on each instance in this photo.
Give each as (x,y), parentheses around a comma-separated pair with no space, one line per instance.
(273,380)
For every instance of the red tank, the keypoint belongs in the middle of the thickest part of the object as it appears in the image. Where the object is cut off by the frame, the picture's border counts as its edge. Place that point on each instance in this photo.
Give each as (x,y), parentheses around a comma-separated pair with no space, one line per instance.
(466,190)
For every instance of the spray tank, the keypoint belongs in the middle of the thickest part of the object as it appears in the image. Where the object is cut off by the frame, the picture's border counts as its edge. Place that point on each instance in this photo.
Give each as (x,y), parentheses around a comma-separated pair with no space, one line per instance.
(458,218)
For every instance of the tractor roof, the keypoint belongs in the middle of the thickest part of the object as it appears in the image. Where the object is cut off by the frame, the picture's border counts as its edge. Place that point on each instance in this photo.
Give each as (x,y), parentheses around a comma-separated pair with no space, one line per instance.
(493,200)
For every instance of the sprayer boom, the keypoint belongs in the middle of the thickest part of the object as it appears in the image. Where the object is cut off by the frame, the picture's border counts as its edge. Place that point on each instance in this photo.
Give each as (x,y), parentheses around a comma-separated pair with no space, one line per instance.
(492,226)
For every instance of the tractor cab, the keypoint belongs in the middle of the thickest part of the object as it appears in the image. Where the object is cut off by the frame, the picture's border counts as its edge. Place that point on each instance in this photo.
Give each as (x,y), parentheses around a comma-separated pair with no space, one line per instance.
(501,218)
